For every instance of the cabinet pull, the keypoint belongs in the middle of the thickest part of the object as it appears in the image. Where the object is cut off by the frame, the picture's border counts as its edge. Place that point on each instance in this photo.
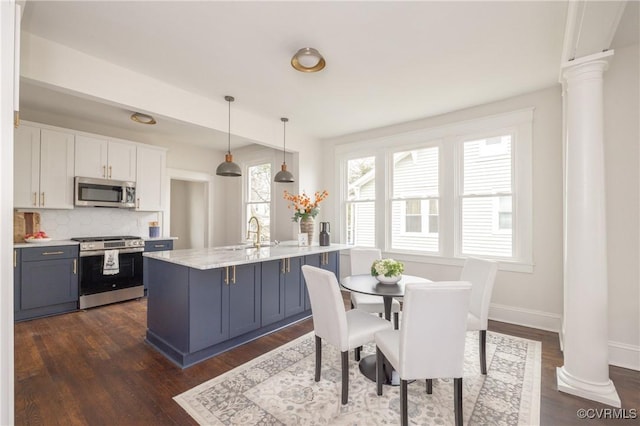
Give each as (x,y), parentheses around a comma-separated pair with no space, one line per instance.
(289,264)
(226,275)
(137,203)
(35,198)
(159,245)
(104,172)
(233,279)
(284,266)
(42,200)
(15,258)
(110,172)
(75,266)
(51,253)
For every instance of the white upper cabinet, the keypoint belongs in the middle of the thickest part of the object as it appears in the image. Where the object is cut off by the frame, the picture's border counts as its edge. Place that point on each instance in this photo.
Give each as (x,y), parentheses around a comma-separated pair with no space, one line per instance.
(150,167)
(44,168)
(105,159)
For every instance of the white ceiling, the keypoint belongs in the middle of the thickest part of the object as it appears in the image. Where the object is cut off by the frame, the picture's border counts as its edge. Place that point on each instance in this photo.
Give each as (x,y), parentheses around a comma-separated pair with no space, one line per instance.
(387,62)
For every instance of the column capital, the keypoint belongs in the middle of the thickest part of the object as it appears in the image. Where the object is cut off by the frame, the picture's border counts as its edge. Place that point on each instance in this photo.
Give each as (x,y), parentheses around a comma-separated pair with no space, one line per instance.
(598,62)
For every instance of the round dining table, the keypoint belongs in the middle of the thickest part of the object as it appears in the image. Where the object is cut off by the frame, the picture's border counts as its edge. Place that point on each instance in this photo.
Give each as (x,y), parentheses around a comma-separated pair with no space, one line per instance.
(368,284)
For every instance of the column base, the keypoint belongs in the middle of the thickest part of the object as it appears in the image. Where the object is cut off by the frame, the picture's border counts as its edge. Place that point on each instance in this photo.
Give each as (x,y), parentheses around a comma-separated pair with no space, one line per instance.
(604,393)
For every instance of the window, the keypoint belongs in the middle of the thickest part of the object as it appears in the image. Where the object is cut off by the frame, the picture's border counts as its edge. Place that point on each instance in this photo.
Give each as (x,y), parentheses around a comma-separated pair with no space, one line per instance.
(360,202)
(486,197)
(258,202)
(414,202)
(443,193)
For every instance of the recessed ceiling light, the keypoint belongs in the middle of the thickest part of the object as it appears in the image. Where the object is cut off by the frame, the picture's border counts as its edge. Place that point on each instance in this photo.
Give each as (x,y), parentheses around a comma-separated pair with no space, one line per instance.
(141,118)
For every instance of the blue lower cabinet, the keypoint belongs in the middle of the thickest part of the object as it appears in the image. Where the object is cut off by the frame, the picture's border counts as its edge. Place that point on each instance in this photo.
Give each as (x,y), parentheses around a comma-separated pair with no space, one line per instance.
(293,286)
(48,281)
(244,299)
(150,246)
(195,314)
(272,291)
(17,259)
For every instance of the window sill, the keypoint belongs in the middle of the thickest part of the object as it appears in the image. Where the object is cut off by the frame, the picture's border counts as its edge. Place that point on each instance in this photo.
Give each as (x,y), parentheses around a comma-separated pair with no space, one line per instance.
(503,265)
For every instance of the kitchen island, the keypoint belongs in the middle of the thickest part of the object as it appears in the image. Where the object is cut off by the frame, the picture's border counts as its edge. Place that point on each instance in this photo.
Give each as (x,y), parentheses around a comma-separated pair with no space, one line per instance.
(202,302)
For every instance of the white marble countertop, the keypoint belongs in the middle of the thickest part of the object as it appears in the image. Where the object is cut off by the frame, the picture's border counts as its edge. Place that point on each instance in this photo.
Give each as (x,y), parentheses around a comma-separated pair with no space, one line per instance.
(219,257)
(46,244)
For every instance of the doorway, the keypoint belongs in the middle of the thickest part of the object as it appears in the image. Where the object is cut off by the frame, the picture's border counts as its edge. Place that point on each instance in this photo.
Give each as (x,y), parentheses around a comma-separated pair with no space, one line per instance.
(189,212)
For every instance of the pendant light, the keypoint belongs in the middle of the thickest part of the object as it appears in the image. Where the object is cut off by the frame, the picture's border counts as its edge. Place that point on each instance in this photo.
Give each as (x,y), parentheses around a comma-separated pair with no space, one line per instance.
(228,167)
(284,176)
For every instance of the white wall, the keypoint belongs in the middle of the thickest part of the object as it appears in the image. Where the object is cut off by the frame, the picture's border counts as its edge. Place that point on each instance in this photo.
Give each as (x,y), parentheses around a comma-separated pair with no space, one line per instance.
(6,213)
(621,150)
(188,214)
(533,299)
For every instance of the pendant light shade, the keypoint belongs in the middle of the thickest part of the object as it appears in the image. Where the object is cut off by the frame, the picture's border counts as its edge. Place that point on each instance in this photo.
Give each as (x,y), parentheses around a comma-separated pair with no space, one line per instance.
(284,176)
(228,167)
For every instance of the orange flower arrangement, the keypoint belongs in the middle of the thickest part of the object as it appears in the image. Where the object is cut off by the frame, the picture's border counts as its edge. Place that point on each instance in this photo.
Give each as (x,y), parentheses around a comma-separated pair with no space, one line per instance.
(302,204)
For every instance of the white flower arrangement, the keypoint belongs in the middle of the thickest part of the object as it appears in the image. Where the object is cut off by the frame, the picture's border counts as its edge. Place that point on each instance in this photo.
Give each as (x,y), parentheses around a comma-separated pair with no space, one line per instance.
(387,268)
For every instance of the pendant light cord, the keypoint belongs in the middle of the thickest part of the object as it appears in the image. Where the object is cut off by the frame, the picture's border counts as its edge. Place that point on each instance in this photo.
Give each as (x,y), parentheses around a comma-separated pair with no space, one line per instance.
(284,139)
(229,133)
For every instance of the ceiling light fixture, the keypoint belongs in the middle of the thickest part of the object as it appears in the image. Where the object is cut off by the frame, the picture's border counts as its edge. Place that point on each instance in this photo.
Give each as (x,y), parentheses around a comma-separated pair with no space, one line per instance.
(308,59)
(141,118)
(228,167)
(284,176)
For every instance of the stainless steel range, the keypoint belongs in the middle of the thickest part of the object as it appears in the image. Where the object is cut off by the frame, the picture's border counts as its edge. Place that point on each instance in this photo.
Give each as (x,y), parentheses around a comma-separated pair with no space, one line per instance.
(118,279)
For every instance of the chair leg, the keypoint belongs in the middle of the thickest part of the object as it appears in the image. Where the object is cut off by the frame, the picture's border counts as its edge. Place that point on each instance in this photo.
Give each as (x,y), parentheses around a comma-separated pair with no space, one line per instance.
(345,377)
(429,386)
(356,353)
(318,357)
(379,370)
(396,321)
(483,351)
(404,416)
(457,400)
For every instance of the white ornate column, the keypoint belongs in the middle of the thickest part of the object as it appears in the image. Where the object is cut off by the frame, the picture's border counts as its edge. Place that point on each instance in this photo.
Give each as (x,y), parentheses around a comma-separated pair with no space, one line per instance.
(585,372)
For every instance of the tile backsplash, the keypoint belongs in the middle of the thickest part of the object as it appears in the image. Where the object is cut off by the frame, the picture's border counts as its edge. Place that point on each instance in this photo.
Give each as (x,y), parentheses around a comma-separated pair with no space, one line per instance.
(95,221)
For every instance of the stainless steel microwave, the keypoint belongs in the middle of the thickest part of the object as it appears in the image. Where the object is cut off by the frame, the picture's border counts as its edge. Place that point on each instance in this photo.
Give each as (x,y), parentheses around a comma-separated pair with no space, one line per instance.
(91,192)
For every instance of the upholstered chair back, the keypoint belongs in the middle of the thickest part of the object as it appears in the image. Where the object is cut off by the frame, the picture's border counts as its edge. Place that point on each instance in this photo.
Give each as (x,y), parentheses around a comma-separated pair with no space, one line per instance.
(327,306)
(433,331)
(362,259)
(481,273)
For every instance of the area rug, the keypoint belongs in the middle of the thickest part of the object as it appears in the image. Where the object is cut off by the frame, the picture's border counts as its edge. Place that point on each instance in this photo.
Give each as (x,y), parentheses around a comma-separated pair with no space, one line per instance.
(278,388)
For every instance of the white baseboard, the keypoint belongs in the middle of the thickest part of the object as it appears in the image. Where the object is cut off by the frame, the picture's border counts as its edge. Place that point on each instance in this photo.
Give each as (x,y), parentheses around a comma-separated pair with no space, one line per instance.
(525,317)
(624,355)
(620,354)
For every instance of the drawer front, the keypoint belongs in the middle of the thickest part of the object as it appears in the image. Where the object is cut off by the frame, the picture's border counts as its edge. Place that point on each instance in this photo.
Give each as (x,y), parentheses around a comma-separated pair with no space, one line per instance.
(48,253)
(158,245)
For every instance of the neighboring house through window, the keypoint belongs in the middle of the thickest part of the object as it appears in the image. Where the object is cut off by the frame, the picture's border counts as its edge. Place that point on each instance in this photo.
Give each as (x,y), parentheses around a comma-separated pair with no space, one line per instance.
(360,202)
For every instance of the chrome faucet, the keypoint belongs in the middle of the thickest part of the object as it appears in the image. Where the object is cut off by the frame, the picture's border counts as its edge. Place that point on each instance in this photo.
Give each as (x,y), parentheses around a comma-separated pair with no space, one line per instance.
(256,244)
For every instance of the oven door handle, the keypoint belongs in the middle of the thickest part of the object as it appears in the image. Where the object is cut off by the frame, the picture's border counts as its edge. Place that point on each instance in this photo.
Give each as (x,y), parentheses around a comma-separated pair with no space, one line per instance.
(101,252)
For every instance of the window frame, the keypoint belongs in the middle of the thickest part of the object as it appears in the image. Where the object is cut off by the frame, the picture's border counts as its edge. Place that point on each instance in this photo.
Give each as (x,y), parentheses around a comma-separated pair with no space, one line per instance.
(245,192)
(518,123)
(344,193)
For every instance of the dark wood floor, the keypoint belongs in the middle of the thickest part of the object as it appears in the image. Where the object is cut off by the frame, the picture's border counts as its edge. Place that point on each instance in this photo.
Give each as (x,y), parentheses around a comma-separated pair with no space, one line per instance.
(93,368)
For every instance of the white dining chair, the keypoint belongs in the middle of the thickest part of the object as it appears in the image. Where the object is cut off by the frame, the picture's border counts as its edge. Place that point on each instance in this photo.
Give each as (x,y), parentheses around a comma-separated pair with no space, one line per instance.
(482,274)
(346,330)
(430,344)
(361,261)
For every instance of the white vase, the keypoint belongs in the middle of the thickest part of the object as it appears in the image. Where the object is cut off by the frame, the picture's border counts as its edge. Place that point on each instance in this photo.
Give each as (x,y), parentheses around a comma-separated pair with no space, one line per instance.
(389,280)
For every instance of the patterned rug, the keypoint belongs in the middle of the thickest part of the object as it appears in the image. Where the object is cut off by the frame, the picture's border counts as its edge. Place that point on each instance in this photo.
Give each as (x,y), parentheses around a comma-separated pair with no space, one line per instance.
(278,389)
